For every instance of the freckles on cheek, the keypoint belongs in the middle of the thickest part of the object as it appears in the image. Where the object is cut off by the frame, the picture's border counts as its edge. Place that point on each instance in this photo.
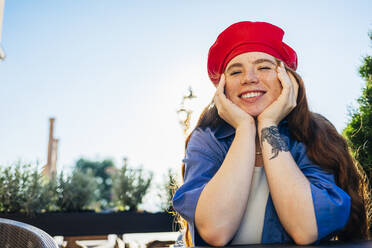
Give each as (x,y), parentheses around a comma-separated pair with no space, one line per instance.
(228,96)
(228,90)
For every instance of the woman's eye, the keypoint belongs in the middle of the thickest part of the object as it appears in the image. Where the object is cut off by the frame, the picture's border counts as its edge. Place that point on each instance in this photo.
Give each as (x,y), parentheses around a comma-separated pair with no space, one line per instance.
(234,73)
(264,68)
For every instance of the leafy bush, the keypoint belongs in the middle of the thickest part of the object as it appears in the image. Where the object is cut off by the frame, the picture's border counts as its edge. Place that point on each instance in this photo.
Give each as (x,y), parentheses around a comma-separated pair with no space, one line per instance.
(75,192)
(129,187)
(358,131)
(101,171)
(23,189)
(167,191)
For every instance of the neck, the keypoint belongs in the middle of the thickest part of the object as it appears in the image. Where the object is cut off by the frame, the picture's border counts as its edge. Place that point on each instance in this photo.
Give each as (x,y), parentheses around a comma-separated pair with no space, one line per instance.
(257,137)
(258,147)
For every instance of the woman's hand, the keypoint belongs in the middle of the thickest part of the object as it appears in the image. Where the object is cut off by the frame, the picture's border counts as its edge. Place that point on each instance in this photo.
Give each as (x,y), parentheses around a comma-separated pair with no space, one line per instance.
(284,104)
(229,111)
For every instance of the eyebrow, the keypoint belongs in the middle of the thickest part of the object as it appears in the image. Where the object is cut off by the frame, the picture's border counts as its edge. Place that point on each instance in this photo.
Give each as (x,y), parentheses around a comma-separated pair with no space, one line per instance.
(258,61)
(234,65)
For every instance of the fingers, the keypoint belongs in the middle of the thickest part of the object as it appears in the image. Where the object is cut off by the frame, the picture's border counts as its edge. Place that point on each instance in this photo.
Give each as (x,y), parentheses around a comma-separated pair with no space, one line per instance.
(283,76)
(289,84)
(221,84)
(221,87)
(295,85)
(219,92)
(220,99)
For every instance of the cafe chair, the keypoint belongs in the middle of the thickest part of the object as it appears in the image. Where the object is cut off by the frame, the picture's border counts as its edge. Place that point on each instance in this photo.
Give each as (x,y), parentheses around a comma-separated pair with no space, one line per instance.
(18,234)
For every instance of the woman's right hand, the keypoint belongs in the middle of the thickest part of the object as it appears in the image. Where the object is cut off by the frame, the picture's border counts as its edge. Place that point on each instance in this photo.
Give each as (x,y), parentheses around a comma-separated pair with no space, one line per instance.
(229,111)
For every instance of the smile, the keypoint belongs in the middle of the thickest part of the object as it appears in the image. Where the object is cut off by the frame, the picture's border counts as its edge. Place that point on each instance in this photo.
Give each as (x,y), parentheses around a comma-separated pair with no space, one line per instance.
(252,94)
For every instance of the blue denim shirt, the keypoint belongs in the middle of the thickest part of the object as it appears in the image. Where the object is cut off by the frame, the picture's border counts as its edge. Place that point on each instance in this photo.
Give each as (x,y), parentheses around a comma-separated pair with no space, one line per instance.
(205,153)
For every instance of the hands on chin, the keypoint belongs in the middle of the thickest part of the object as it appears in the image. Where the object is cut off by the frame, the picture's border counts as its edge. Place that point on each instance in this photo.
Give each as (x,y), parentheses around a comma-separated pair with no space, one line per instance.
(271,116)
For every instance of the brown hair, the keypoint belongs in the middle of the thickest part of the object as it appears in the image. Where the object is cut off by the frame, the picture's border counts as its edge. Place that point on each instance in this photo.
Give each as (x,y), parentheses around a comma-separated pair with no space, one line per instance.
(325,147)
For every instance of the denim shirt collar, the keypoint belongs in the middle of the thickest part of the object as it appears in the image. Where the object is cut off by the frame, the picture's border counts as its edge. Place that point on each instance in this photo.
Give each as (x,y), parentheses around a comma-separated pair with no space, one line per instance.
(225,130)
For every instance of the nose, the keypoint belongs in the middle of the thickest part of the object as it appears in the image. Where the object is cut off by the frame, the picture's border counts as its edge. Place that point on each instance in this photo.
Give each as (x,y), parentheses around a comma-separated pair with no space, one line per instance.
(250,77)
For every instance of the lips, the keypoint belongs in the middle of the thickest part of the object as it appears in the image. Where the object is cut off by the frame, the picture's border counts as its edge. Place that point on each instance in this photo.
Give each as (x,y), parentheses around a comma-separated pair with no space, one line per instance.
(252,95)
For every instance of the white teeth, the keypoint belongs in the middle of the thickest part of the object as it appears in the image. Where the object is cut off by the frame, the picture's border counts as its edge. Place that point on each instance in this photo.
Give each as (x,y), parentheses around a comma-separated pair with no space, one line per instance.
(252,94)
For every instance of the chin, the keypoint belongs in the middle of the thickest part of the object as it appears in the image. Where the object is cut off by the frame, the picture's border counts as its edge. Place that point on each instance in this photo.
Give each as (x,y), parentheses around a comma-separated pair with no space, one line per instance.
(253,112)
(255,115)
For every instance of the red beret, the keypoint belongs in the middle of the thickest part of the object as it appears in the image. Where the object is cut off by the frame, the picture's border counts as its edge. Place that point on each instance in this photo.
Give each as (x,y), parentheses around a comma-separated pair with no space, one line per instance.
(245,37)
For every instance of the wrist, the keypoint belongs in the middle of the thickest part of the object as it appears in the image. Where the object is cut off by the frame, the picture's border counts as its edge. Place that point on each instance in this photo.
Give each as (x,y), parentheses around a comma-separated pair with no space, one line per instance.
(246,127)
(264,124)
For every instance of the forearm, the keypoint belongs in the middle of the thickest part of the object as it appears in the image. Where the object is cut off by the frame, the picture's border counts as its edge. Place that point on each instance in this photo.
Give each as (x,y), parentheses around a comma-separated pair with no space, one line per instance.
(223,200)
(289,189)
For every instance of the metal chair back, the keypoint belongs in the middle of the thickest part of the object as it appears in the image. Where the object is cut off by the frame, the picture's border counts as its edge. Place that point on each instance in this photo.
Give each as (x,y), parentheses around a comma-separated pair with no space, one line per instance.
(18,234)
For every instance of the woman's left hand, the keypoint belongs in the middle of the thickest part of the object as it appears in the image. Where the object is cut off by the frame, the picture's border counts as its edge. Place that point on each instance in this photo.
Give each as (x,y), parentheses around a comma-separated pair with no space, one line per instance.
(284,104)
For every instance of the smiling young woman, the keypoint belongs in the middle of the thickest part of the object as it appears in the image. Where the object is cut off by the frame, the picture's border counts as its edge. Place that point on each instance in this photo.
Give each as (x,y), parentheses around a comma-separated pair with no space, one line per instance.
(259,166)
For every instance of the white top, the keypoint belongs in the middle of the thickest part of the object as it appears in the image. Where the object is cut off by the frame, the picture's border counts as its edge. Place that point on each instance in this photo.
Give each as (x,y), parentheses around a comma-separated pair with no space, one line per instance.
(250,230)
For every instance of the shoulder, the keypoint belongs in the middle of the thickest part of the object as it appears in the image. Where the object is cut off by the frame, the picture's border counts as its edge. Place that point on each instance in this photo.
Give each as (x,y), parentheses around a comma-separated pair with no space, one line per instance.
(213,142)
(203,142)
(215,134)
(201,136)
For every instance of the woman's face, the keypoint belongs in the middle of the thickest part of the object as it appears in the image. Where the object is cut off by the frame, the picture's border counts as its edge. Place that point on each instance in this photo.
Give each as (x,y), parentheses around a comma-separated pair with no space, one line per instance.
(252,82)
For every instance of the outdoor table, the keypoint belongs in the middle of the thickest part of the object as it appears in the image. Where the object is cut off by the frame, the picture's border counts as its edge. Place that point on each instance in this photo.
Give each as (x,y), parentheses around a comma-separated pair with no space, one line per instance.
(134,240)
(331,244)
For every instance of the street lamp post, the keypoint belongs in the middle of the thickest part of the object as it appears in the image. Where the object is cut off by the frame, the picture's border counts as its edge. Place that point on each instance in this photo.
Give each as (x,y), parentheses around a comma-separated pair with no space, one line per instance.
(184,111)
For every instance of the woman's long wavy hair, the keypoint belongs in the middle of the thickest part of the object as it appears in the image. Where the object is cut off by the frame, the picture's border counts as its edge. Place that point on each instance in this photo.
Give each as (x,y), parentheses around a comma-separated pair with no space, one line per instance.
(325,147)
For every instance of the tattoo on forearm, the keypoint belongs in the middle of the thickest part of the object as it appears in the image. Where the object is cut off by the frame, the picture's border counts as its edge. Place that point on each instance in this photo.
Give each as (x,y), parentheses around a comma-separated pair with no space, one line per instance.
(272,136)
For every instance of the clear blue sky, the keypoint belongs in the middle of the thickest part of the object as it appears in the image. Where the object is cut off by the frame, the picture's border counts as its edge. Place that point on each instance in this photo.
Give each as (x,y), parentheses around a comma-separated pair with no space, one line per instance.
(113,73)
